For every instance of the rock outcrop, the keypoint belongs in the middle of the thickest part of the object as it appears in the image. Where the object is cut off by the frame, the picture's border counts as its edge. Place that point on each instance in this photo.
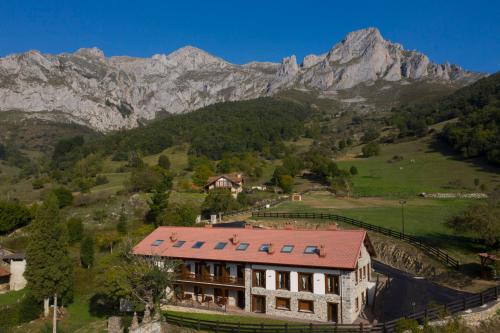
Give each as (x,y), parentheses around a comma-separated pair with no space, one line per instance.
(117,92)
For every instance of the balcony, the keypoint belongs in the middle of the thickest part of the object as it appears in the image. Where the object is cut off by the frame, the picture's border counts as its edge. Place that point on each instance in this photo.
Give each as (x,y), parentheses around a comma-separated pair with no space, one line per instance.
(209,279)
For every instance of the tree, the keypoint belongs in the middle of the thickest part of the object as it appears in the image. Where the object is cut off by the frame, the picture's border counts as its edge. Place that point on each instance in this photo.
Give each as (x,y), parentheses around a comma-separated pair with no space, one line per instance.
(164,162)
(87,252)
(144,178)
(480,218)
(13,215)
(353,170)
(107,240)
(279,171)
(219,201)
(75,230)
(49,268)
(370,134)
(201,174)
(179,214)
(286,183)
(64,196)
(99,215)
(158,203)
(147,279)
(121,226)
(371,149)
(293,165)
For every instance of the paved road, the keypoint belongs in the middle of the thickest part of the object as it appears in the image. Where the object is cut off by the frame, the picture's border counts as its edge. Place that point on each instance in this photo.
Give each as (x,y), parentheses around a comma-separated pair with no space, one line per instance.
(406,293)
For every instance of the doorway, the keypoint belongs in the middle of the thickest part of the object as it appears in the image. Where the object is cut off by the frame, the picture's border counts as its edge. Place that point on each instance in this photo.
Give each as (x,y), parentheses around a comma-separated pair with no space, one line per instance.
(241,299)
(259,304)
(333,312)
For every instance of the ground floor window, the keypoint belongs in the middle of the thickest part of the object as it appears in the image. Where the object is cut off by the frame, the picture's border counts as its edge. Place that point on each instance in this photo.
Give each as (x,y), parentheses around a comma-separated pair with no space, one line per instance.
(306,306)
(282,303)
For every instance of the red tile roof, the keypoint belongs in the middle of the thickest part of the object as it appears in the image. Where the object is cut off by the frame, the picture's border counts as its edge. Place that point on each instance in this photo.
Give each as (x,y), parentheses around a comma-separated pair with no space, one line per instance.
(342,247)
(4,272)
(235,178)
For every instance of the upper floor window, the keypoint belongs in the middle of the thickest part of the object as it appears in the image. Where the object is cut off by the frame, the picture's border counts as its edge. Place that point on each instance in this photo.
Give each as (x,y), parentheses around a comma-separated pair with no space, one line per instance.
(305,282)
(259,278)
(283,280)
(332,285)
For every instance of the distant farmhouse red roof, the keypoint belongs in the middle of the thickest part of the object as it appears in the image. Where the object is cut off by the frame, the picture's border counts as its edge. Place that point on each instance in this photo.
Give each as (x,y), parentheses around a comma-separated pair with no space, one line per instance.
(234,178)
(341,248)
(4,272)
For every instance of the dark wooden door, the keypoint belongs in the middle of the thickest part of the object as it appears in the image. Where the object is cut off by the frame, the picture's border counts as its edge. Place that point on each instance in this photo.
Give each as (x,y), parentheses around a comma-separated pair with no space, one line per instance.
(333,312)
(259,304)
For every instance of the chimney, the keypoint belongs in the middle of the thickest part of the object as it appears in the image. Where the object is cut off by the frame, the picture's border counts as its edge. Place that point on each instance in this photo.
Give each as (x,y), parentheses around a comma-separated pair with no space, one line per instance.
(270,248)
(173,236)
(333,227)
(322,251)
(234,239)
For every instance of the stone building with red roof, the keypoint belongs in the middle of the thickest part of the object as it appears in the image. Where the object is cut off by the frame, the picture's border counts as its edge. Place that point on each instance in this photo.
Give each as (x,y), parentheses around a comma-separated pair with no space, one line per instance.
(321,275)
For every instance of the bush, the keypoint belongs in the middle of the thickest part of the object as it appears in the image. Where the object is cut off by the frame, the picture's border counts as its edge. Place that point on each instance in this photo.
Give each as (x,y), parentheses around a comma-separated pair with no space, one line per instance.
(101,180)
(218,201)
(286,183)
(371,149)
(370,135)
(13,215)
(164,162)
(64,196)
(353,170)
(87,252)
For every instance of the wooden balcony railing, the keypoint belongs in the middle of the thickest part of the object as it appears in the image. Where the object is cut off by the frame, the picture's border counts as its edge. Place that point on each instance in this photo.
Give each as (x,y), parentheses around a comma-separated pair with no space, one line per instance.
(211,279)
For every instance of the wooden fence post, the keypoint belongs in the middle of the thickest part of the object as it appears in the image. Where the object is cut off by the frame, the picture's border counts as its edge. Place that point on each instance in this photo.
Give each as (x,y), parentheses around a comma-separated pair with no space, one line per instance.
(361,327)
(217,327)
(482,298)
(239,327)
(310,327)
(286,327)
(464,303)
(385,328)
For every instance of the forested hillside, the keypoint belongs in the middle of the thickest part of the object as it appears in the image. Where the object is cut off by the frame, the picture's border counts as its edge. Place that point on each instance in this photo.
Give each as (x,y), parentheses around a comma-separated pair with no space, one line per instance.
(477,131)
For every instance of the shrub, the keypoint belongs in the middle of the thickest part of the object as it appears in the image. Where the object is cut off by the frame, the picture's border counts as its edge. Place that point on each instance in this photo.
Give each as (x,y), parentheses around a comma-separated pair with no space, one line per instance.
(164,162)
(353,170)
(371,149)
(87,252)
(13,215)
(101,180)
(64,196)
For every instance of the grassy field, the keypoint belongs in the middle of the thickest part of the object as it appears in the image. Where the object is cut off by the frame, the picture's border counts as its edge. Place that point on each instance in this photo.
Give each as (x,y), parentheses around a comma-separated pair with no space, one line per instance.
(423,217)
(228,318)
(423,169)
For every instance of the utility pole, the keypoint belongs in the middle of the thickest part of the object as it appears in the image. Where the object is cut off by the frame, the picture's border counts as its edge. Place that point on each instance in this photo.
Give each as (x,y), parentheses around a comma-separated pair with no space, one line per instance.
(403,202)
(54,321)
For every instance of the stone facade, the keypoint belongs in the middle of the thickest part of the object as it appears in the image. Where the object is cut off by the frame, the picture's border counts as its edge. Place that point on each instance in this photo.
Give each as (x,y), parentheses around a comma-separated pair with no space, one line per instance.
(354,288)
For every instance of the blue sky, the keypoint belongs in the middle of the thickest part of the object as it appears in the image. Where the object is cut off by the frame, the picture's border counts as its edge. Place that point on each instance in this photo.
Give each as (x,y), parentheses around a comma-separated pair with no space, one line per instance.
(462,32)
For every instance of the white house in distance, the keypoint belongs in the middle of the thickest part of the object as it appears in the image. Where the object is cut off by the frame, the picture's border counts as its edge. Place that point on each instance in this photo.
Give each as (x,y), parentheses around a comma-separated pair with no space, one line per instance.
(233,182)
(12,267)
(320,275)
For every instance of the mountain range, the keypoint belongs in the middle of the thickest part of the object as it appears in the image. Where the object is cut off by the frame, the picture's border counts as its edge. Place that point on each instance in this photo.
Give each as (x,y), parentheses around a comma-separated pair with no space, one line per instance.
(110,93)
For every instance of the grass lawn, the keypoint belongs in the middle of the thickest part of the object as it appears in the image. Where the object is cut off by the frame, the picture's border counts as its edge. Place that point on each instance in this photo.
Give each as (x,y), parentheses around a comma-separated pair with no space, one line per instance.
(423,169)
(229,318)
(178,156)
(11,296)
(116,182)
(423,217)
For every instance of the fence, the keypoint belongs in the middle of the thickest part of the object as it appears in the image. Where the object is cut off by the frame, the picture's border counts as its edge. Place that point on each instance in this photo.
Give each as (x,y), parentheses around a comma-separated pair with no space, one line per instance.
(432,313)
(227,327)
(439,254)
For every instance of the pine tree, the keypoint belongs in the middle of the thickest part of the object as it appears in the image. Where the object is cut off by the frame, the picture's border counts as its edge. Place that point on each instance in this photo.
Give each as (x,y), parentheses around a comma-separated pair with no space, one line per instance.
(49,269)
(87,252)
(157,205)
(121,226)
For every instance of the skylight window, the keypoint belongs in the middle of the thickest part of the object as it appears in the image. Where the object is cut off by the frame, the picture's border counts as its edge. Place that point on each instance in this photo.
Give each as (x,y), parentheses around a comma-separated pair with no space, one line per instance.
(220,245)
(157,242)
(242,246)
(311,249)
(287,249)
(264,248)
(197,245)
(179,243)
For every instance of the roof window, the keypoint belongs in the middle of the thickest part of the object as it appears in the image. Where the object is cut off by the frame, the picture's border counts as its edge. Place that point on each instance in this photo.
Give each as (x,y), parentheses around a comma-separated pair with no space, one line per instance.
(287,249)
(311,249)
(264,248)
(179,243)
(157,242)
(242,247)
(220,245)
(198,244)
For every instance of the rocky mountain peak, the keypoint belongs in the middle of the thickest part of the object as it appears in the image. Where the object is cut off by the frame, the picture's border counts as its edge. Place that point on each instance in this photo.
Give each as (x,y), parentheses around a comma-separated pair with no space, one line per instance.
(92,52)
(117,92)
